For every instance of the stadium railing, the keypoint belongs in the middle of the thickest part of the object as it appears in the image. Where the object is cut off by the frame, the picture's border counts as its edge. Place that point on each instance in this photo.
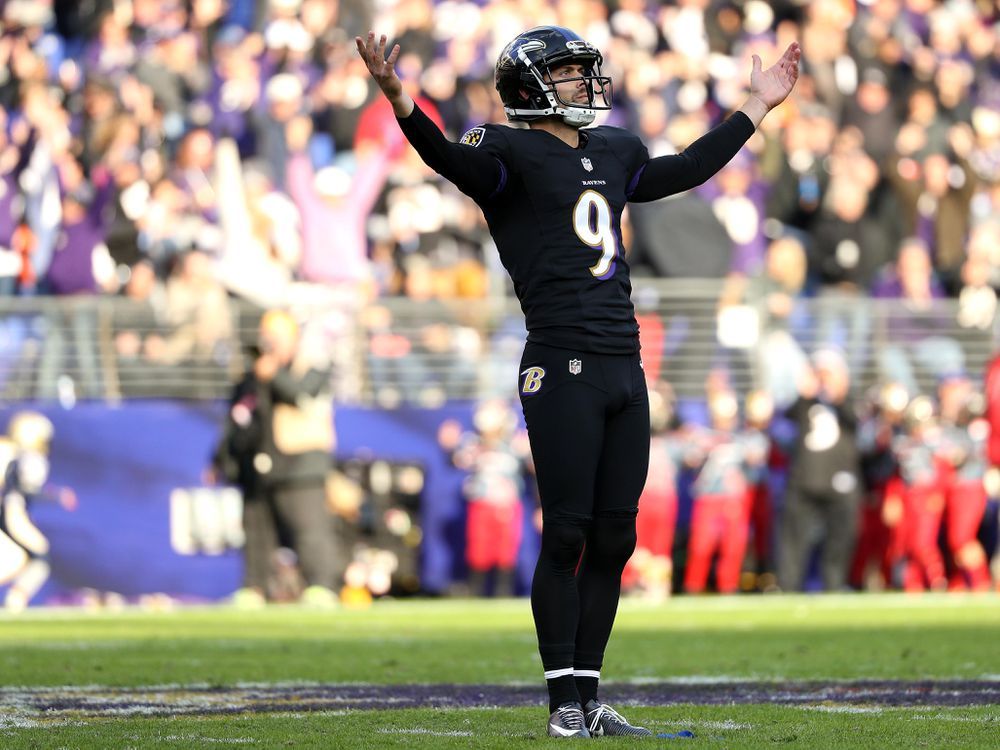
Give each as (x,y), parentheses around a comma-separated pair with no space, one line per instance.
(399,351)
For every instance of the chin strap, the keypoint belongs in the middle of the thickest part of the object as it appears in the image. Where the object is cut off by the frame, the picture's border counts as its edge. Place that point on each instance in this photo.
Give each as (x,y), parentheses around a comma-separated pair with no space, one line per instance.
(575,117)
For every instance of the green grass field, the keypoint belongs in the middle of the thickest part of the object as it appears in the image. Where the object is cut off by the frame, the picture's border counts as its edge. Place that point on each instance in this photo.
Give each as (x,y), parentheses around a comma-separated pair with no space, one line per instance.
(291,677)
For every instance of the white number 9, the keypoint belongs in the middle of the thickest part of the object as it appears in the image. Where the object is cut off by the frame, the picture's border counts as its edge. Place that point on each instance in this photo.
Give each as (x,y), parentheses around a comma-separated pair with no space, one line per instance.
(592,224)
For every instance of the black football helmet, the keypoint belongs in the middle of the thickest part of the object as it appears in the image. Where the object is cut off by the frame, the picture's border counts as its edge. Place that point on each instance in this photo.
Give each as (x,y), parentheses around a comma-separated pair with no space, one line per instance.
(525,85)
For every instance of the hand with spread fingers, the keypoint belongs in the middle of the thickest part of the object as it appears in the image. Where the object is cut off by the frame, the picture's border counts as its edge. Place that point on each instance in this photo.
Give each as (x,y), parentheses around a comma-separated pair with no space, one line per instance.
(768,88)
(771,86)
(384,71)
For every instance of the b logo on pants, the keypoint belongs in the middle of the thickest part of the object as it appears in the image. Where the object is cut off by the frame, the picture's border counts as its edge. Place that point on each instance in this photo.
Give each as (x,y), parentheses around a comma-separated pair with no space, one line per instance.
(532,382)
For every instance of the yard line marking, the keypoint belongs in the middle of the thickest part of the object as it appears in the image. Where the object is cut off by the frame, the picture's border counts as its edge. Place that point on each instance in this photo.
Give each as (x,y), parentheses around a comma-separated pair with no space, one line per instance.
(431,732)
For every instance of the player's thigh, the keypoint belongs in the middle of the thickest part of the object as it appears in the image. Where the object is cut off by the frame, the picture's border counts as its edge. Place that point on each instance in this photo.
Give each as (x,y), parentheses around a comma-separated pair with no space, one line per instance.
(565,429)
(624,460)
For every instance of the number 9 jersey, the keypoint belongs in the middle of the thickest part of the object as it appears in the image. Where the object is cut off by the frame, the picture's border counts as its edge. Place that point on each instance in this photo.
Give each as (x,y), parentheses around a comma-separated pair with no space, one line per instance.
(555,216)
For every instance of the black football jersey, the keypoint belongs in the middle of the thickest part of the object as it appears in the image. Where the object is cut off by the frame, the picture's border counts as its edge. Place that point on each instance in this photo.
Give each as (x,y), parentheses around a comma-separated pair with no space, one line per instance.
(555,214)
(556,220)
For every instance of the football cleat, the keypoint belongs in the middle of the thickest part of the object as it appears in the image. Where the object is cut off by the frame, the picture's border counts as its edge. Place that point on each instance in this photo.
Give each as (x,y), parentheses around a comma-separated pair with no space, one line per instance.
(567,721)
(604,721)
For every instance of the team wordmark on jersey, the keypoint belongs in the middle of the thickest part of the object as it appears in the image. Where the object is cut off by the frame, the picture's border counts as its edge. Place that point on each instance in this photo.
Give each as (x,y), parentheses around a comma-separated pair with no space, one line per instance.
(473,136)
(575,367)
(532,382)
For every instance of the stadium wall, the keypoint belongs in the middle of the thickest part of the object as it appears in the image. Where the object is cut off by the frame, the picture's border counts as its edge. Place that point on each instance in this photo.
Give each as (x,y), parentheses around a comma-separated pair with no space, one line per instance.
(137,470)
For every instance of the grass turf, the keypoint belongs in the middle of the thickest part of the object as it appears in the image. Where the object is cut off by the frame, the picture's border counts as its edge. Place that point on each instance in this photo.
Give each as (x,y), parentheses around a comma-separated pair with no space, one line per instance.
(513,728)
(787,637)
(765,638)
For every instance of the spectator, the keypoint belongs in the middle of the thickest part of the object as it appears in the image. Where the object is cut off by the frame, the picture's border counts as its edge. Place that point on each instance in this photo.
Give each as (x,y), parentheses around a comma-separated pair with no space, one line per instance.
(333,198)
(292,458)
(977,300)
(800,176)
(260,246)
(917,327)
(80,265)
(284,98)
(736,196)
(935,191)
(198,317)
(823,492)
(777,292)
(872,112)
(139,328)
(236,89)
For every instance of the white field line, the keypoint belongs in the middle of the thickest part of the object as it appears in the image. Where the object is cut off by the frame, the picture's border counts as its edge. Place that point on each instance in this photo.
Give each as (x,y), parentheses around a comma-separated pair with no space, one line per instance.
(430,732)
(727,725)
(988,719)
(199,739)
(697,679)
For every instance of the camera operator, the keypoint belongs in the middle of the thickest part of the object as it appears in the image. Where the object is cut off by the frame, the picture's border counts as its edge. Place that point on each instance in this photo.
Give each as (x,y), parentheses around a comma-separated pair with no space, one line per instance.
(281,419)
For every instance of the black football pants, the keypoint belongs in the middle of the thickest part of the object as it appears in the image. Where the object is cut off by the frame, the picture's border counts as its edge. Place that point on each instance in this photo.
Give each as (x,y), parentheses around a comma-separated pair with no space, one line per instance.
(588,423)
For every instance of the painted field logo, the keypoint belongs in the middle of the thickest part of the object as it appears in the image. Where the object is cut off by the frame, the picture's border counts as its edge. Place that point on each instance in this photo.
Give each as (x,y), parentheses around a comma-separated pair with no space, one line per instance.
(575,366)
(532,382)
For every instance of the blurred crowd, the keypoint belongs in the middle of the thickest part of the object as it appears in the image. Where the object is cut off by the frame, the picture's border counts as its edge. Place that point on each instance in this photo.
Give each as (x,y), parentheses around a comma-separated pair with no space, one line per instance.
(875,491)
(181,153)
(842,490)
(845,488)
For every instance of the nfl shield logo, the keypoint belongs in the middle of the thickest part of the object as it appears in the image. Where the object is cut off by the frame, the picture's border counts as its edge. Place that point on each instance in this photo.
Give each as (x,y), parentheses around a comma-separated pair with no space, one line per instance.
(586,164)
(575,366)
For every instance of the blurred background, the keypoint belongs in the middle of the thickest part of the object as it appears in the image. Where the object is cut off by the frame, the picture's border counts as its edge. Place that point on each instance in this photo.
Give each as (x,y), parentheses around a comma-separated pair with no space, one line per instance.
(251,347)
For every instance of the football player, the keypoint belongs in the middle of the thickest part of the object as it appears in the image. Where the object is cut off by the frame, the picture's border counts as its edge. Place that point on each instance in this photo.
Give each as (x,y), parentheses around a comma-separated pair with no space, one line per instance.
(729,461)
(553,194)
(24,549)
(495,457)
(966,432)
(923,469)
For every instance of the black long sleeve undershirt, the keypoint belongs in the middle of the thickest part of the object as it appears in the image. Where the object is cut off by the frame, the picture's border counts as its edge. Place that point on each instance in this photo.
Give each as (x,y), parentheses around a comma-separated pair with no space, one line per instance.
(668,175)
(476,173)
(480,174)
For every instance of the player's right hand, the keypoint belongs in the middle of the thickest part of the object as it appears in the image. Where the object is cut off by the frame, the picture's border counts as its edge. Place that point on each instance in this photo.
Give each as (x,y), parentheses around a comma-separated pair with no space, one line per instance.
(382,70)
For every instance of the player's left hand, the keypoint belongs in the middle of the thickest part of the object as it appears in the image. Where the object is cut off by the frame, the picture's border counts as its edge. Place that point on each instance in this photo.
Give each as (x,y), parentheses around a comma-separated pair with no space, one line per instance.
(771,86)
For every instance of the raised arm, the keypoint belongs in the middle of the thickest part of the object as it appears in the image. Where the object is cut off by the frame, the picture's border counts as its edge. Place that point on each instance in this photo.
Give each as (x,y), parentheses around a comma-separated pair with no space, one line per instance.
(476,172)
(667,175)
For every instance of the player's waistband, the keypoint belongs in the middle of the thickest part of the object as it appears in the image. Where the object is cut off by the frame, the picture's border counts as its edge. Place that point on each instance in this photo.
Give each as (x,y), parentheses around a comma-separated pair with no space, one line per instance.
(574,339)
